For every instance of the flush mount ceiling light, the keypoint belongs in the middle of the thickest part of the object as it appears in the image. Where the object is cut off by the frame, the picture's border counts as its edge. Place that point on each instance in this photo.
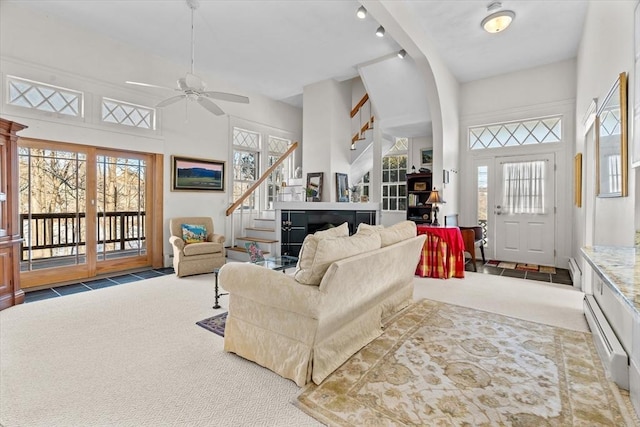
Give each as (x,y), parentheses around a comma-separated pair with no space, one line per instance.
(402,53)
(497,20)
(361,12)
(380,31)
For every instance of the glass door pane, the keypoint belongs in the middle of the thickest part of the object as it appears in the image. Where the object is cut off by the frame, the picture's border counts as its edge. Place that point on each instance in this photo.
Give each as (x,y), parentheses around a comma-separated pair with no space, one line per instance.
(121,193)
(52,207)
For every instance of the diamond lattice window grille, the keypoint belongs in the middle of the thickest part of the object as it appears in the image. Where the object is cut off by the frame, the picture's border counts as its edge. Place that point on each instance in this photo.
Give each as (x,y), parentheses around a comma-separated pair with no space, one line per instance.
(41,96)
(278,145)
(610,122)
(124,113)
(245,138)
(511,134)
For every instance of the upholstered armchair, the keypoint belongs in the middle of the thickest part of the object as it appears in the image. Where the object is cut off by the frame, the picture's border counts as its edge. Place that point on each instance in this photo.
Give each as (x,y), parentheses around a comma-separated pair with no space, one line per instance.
(206,251)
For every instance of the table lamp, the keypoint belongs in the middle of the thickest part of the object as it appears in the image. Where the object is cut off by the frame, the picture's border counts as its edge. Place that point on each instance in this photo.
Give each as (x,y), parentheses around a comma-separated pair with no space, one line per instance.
(434,199)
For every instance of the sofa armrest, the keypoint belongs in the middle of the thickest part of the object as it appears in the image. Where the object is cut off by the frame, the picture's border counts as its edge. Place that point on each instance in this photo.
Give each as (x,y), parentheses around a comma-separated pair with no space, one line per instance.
(270,288)
(216,238)
(177,242)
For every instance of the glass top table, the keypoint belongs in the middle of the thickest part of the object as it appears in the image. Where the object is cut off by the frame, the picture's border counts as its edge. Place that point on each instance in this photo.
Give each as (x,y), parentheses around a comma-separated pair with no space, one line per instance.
(279,263)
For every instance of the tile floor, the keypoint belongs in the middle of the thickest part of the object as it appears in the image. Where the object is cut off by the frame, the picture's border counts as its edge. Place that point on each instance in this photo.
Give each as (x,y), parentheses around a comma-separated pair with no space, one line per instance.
(89,285)
(561,277)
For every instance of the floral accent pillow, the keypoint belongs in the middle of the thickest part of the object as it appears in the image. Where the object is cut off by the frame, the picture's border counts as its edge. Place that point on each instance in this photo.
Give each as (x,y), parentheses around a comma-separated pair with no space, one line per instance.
(194,233)
(255,253)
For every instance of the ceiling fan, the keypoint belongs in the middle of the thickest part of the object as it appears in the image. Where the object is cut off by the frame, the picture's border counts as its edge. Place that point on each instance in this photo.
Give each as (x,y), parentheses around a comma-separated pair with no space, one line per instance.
(192,87)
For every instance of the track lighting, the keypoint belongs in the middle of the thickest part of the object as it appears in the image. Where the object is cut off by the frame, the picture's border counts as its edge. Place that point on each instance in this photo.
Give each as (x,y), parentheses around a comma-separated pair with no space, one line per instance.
(361,12)
(402,53)
(380,31)
(353,146)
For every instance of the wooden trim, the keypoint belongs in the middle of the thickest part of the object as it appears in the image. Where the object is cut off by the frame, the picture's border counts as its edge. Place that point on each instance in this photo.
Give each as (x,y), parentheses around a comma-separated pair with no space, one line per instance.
(364,128)
(260,180)
(156,244)
(359,105)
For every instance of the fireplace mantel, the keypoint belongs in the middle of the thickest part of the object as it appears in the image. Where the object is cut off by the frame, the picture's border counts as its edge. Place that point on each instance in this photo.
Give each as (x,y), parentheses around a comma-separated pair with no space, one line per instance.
(327,206)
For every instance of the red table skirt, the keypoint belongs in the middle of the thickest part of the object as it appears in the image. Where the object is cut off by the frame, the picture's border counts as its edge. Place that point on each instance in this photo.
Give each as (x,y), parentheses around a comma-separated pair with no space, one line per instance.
(442,254)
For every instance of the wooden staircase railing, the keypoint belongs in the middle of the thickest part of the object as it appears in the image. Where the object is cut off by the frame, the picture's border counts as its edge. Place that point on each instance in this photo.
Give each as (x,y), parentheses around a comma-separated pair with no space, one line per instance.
(368,125)
(260,180)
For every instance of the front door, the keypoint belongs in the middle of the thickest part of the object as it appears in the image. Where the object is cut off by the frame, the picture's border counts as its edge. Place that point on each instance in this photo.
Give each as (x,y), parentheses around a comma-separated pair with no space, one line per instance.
(524,209)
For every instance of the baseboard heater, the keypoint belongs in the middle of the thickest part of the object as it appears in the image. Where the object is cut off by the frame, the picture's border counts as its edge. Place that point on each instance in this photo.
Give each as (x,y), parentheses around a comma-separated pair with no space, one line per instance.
(613,356)
(576,274)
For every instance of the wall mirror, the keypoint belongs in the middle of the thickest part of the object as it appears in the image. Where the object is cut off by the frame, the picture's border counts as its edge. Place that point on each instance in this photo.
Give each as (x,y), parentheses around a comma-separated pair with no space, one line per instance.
(611,142)
(342,187)
(314,186)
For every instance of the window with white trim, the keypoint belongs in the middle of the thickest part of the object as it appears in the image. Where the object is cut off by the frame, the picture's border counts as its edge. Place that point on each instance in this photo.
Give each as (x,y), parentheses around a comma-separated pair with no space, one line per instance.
(277,147)
(394,176)
(41,96)
(124,113)
(524,132)
(246,164)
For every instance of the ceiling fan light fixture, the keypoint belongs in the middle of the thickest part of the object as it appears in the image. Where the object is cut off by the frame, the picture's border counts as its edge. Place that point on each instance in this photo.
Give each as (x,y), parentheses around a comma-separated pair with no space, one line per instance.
(402,53)
(380,31)
(361,12)
(497,20)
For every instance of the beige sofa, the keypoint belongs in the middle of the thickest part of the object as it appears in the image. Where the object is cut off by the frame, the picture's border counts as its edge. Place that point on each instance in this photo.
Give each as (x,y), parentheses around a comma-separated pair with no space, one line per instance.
(196,258)
(305,325)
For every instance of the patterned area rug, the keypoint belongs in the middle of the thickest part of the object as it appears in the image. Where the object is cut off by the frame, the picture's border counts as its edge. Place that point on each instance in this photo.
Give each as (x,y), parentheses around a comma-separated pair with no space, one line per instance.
(441,364)
(521,266)
(214,324)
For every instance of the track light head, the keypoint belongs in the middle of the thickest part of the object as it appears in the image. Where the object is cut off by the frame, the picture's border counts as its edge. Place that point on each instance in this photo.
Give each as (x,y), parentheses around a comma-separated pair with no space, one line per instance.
(402,53)
(380,31)
(361,12)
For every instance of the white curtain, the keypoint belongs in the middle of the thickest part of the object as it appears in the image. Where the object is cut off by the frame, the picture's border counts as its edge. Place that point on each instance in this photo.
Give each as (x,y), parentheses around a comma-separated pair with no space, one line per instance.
(523,187)
(615,174)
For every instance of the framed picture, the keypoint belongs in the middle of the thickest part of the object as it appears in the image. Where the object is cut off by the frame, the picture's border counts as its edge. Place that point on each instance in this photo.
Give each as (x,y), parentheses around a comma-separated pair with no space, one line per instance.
(188,174)
(342,187)
(426,156)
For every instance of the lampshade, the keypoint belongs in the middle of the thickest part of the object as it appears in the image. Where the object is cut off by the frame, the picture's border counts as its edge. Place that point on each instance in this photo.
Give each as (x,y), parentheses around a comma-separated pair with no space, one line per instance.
(434,197)
(361,12)
(380,31)
(499,21)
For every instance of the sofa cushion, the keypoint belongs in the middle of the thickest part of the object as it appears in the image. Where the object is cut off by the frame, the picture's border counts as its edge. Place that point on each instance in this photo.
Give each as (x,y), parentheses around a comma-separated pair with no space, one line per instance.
(340,231)
(194,233)
(390,235)
(202,248)
(317,254)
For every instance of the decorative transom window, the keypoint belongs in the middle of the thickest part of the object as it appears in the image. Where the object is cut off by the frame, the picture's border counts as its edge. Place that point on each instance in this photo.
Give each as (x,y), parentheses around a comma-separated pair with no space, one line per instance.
(245,138)
(123,113)
(394,176)
(610,122)
(526,132)
(41,96)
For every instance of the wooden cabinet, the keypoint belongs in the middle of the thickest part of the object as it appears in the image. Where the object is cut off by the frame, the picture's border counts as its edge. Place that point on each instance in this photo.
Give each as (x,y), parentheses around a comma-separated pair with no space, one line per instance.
(10,292)
(418,190)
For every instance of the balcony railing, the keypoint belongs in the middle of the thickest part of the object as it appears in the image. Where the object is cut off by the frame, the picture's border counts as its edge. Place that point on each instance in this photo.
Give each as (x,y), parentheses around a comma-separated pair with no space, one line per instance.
(49,231)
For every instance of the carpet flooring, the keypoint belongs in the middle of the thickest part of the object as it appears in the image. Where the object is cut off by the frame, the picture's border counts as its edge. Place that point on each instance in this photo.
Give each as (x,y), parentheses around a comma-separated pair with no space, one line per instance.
(442,364)
(214,324)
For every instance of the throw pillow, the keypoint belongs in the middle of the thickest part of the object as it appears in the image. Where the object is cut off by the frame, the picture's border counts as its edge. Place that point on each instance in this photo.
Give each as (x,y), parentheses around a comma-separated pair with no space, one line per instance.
(314,262)
(192,233)
(398,232)
(340,231)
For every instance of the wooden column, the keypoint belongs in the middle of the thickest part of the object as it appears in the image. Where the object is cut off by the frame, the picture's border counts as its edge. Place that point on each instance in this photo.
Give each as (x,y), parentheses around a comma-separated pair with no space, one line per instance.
(10,292)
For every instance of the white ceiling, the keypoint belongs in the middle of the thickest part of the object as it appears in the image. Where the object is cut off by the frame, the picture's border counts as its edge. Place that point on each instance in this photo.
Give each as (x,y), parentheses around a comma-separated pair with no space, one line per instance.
(277,47)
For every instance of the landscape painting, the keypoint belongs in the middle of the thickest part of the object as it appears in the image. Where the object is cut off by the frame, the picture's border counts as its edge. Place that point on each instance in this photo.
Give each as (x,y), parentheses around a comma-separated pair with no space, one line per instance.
(197,174)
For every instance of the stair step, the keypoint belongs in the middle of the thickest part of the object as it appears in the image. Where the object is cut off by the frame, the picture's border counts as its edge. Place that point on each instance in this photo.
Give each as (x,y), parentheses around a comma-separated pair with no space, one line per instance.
(261,229)
(265,219)
(256,239)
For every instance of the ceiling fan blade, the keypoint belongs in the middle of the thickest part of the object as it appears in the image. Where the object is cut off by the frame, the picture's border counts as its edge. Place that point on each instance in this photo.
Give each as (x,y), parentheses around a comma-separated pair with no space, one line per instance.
(223,96)
(148,85)
(209,105)
(170,101)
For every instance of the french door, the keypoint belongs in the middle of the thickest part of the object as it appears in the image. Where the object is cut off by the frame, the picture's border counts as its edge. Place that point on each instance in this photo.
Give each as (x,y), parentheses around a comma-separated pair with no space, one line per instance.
(86,211)
(524,209)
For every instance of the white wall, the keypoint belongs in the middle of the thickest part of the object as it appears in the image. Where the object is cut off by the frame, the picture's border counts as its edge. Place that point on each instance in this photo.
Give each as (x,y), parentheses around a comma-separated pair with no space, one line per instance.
(606,50)
(42,48)
(537,92)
